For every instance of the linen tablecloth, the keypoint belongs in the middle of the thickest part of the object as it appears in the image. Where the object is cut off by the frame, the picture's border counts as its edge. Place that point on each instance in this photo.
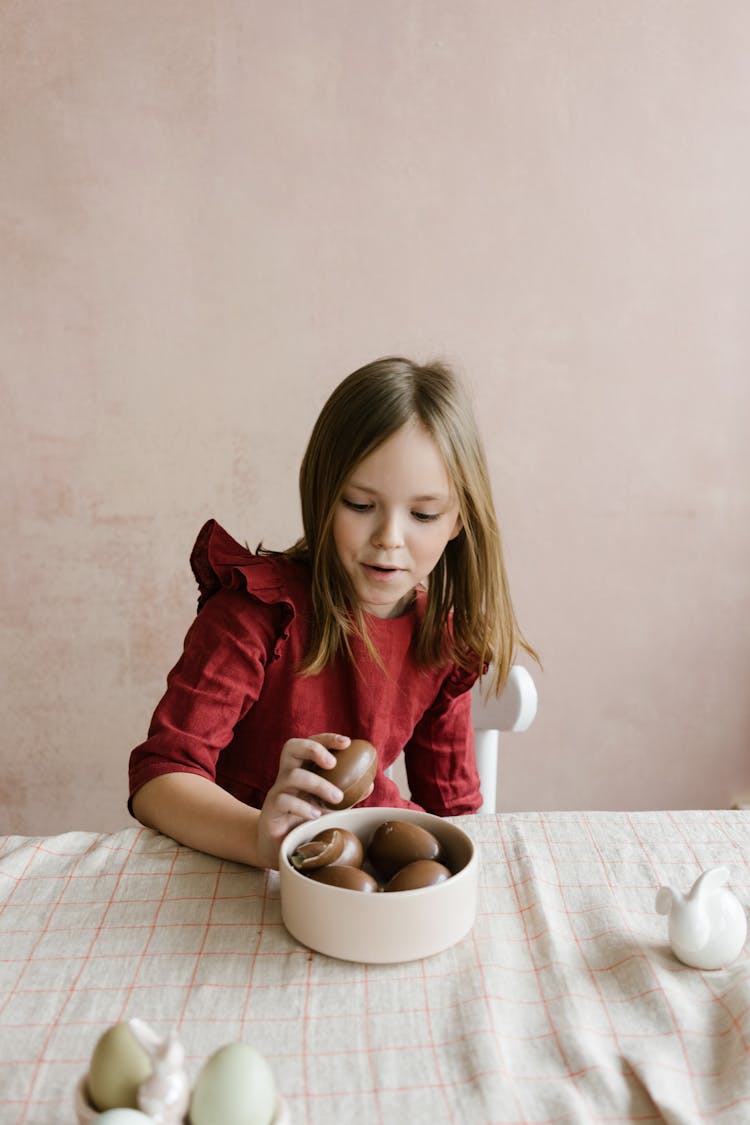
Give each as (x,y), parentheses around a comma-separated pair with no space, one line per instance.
(564,1004)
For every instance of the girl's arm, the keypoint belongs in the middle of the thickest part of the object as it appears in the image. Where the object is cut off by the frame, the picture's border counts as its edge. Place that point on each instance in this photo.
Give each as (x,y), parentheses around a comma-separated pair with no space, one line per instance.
(440,761)
(197,812)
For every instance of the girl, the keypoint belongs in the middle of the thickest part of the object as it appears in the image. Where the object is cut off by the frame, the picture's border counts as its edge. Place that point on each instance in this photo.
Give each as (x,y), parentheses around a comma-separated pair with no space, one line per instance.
(374,625)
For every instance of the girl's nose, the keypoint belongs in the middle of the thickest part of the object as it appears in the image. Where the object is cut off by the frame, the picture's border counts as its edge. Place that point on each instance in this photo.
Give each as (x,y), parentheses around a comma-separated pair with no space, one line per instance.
(387,534)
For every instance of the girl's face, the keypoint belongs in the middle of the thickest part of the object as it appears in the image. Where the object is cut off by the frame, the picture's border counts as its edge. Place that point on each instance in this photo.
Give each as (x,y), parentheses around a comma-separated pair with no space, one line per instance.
(396,513)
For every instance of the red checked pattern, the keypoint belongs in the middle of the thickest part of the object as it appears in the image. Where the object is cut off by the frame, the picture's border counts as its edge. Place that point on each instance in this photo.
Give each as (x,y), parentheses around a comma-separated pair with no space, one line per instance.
(564,1004)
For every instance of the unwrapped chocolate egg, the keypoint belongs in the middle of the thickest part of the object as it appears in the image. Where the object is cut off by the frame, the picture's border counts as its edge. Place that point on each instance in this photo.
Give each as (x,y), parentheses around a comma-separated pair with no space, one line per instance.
(350,878)
(421,873)
(332,846)
(354,772)
(395,843)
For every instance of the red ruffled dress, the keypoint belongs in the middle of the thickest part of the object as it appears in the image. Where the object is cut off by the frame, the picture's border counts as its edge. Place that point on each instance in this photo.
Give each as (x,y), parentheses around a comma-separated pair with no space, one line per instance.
(235,697)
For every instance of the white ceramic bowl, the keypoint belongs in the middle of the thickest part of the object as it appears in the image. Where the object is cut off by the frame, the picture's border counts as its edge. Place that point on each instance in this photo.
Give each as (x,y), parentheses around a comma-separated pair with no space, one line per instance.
(380,928)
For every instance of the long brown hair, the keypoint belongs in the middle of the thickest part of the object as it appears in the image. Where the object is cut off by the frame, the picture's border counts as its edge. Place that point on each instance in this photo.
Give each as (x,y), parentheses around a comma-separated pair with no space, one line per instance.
(469,617)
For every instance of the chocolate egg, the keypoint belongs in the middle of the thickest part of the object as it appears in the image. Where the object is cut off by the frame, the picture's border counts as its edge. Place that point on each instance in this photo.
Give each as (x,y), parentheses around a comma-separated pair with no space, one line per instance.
(333,846)
(421,873)
(354,772)
(395,843)
(350,878)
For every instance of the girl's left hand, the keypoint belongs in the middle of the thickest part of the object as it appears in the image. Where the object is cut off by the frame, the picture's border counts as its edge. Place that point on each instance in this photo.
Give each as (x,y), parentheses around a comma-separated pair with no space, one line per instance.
(295,795)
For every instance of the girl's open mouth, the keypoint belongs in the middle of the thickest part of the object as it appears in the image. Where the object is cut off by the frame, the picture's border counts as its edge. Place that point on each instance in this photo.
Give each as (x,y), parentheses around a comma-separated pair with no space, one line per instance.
(381,571)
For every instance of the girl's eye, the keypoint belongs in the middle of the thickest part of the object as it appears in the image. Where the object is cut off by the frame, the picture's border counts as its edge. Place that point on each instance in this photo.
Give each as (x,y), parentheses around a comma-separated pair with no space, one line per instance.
(420,517)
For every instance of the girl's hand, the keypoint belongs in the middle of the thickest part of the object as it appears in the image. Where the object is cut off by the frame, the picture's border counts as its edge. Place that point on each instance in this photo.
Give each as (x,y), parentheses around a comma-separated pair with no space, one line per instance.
(295,795)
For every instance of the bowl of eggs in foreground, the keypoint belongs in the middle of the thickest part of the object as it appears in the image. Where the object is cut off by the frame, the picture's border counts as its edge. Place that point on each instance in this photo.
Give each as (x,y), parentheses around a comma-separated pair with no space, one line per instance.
(376,885)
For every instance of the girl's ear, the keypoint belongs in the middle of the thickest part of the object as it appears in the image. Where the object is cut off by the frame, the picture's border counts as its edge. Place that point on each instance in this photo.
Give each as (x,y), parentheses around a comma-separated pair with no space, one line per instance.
(457,527)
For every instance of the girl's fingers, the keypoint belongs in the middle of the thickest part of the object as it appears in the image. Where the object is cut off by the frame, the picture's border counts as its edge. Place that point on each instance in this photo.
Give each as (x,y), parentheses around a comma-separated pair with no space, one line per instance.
(332,741)
(298,792)
(320,746)
(298,780)
(288,805)
(300,750)
(305,781)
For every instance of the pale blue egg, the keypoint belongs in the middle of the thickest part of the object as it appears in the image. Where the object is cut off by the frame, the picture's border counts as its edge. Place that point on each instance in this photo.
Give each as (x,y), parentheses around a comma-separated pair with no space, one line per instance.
(235,1086)
(124,1117)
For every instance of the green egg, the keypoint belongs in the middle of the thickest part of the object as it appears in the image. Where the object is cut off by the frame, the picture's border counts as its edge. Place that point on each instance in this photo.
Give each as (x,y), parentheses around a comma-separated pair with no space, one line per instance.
(235,1086)
(118,1066)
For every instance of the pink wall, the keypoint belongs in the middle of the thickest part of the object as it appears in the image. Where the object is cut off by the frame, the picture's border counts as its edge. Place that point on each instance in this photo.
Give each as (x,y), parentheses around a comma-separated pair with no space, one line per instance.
(211,212)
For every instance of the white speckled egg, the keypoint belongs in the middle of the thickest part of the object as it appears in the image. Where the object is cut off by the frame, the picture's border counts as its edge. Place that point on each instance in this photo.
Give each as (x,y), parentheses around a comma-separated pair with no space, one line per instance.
(118,1066)
(124,1117)
(235,1086)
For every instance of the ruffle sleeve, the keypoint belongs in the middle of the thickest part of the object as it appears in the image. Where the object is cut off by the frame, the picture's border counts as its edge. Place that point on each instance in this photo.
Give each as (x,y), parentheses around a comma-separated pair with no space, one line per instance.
(221,672)
(219,562)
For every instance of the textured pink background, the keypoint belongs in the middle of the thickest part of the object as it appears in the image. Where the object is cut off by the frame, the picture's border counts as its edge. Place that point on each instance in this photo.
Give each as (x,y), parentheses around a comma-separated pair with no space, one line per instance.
(210,213)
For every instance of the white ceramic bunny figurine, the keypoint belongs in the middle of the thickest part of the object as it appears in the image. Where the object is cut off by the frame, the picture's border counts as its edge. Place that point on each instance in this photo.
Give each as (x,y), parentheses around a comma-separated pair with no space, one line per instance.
(165,1094)
(707,926)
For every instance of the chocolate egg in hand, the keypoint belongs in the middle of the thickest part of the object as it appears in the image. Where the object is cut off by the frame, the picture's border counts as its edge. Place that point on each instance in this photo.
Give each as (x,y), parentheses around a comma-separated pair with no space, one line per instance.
(421,873)
(331,847)
(395,843)
(350,878)
(354,772)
